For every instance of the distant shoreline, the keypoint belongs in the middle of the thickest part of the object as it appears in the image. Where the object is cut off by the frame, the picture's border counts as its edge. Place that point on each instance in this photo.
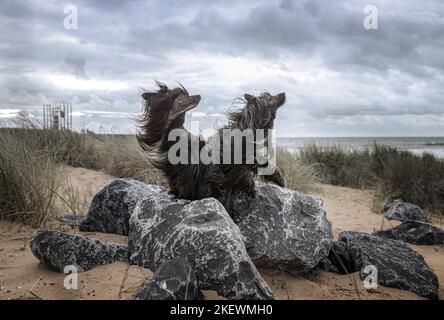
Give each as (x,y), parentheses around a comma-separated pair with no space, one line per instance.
(415,145)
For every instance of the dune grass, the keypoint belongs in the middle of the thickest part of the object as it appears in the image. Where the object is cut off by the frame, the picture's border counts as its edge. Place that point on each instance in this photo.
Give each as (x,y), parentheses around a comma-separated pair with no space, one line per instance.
(30,162)
(28,178)
(418,179)
(117,155)
(31,188)
(30,168)
(393,173)
(299,175)
(340,167)
(123,157)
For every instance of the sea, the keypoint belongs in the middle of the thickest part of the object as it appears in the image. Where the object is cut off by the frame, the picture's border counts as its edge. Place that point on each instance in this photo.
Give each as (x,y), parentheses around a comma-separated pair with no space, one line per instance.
(417,145)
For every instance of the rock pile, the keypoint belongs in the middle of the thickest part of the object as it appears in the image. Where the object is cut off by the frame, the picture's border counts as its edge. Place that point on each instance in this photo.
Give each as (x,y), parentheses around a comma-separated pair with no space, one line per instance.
(206,244)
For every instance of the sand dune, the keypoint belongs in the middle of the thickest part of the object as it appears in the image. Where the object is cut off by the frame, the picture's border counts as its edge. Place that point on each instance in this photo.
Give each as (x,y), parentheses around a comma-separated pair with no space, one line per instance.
(22,276)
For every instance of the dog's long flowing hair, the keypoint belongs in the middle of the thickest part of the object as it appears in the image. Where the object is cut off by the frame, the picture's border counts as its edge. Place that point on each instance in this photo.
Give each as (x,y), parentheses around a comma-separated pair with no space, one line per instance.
(165,110)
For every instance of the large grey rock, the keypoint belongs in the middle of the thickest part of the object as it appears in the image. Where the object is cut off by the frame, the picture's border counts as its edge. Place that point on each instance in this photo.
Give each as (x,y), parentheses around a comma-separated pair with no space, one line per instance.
(111,208)
(173,280)
(282,227)
(162,228)
(279,225)
(397,265)
(403,211)
(415,232)
(338,260)
(56,250)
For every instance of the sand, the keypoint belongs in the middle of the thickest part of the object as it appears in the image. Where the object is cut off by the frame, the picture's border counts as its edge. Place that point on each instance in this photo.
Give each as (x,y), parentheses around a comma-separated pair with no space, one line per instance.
(23,277)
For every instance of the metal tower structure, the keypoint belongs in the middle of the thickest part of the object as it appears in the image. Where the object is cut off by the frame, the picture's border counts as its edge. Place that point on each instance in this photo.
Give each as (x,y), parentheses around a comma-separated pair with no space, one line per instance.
(57,116)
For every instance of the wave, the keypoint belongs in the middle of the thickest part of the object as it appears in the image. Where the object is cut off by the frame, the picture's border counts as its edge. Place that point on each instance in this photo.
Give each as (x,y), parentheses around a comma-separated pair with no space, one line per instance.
(434,144)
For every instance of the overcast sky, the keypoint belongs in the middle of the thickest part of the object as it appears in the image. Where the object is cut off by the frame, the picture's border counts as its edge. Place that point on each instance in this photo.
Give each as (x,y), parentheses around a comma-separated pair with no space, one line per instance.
(340,78)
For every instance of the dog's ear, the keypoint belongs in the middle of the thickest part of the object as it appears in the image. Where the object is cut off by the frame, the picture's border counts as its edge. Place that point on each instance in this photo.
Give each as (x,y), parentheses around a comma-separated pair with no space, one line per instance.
(147,95)
(249,98)
(162,86)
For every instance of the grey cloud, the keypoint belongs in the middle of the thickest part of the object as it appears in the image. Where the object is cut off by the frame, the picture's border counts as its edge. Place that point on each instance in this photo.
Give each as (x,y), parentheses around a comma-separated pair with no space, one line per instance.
(395,71)
(76,65)
(286,5)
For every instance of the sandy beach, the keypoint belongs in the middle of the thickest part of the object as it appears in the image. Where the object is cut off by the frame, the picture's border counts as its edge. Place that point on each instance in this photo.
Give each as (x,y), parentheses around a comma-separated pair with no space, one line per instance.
(23,277)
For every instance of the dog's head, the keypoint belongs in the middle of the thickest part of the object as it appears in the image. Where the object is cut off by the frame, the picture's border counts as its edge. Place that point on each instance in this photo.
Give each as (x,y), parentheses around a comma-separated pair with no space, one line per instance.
(259,111)
(170,103)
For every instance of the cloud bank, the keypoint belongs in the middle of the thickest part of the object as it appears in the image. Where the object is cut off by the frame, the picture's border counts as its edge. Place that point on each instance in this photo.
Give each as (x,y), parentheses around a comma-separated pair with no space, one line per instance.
(340,79)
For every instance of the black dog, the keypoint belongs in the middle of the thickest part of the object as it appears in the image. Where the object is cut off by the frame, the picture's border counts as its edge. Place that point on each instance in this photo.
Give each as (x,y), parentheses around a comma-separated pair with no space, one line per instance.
(165,111)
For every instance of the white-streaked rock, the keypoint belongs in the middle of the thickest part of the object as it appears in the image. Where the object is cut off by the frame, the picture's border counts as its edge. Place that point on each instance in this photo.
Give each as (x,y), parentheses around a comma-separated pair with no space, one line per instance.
(281,226)
(57,250)
(162,228)
(112,206)
(403,211)
(415,232)
(398,266)
(173,280)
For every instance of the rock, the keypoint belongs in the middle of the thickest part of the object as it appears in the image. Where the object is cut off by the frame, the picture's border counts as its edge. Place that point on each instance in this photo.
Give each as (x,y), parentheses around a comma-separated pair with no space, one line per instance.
(173,280)
(398,266)
(279,225)
(162,228)
(112,206)
(282,227)
(338,260)
(56,250)
(415,232)
(402,211)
